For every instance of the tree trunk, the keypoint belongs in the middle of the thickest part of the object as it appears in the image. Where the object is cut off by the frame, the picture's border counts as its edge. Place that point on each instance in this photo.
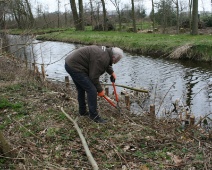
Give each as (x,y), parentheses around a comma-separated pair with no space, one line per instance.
(190,11)
(65,17)
(2,11)
(195,18)
(58,13)
(116,4)
(164,17)
(105,27)
(92,13)
(153,15)
(81,16)
(30,15)
(44,17)
(75,14)
(178,25)
(133,16)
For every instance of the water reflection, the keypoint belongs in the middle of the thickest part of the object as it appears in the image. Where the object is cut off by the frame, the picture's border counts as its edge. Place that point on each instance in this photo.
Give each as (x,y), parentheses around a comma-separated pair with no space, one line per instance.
(168,80)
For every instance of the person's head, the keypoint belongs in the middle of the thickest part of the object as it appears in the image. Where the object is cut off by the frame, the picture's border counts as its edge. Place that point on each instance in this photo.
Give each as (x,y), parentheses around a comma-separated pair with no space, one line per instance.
(117,54)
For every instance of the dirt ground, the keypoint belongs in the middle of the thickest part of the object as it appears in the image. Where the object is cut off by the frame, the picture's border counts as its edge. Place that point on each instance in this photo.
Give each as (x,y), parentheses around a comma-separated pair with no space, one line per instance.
(41,136)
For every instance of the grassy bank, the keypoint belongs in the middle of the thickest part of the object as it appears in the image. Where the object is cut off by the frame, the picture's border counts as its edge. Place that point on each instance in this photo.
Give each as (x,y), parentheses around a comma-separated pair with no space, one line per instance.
(181,46)
(158,45)
(43,138)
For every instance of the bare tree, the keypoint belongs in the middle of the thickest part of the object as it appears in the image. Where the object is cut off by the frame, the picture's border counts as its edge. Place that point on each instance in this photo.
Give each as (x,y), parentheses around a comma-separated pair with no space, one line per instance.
(58,13)
(66,18)
(190,12)
(29,13)
(92,13)
(95,13)
(116,4)
(78,19)
(105,27)
(18,12)
(2,14)
(21,10)
(81,17)
(195,18)
(165,15)
(177,9)
(153,15)
(133,16)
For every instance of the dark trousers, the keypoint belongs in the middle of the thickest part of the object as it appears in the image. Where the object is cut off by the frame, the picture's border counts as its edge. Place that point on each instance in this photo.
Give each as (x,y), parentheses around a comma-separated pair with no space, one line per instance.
(84,84)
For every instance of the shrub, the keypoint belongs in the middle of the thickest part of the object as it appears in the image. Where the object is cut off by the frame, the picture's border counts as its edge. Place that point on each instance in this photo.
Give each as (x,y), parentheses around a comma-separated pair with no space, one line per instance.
(208,21)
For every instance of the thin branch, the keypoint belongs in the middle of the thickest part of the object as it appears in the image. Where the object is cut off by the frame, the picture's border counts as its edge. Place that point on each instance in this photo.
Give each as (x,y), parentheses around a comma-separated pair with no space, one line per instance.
(131,88)
(164,97)
(84,143)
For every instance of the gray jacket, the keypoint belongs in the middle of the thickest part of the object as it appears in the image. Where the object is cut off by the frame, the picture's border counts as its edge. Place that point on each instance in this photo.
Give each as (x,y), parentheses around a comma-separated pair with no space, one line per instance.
(93,61)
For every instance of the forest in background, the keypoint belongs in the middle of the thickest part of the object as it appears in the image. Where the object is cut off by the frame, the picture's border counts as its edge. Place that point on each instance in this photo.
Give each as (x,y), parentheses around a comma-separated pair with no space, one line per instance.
(180,14)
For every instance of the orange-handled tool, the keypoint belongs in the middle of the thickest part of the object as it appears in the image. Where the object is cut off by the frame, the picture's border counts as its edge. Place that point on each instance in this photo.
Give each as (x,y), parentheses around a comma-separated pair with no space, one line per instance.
(109,101)
(116,95)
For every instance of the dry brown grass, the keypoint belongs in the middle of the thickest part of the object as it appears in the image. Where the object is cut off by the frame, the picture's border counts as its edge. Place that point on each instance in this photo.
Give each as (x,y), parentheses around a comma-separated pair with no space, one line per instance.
(180,51)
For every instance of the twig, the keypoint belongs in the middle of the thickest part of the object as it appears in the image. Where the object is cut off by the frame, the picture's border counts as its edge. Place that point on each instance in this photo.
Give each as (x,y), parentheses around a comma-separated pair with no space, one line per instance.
(198,93)
(164,98)
(202,119)
(155,93)
(119,155)
(84,143)
(27,129)
(11,158)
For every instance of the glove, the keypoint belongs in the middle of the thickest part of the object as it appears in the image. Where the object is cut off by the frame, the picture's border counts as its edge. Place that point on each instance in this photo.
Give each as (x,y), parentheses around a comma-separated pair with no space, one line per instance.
(113,77)
(102,93)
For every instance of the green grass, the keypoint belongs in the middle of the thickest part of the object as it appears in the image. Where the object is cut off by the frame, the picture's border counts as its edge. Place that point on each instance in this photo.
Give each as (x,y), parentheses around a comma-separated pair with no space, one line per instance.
(4,104)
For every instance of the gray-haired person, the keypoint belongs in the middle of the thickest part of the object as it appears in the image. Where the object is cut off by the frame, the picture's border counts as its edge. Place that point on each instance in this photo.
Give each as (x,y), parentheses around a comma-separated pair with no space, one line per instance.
(85,65)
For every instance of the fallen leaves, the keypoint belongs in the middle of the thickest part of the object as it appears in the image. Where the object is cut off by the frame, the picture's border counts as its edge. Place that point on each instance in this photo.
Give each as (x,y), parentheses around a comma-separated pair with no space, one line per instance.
(176,159)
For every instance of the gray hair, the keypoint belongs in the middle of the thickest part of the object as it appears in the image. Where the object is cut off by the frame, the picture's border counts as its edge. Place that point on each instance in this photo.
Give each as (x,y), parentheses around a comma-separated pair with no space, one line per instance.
(117,53)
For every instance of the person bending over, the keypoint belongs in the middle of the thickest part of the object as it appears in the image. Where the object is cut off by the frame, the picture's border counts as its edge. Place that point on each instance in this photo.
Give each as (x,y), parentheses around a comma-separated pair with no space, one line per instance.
(85,65)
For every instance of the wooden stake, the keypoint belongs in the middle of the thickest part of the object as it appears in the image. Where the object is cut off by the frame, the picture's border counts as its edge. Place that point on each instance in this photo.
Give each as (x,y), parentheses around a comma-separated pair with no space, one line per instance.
(33,66)
(127,101)
(107,91)
(152,112)
(187,115)
(192,120)
(43,72)
(36,70)
(181,116)
(210,135)
(0,46)
(200,121)
(67,81)
(186,124)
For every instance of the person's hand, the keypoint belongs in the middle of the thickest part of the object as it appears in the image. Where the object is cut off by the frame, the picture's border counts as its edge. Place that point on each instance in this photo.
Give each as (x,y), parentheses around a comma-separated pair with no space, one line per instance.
(113,77)
(102,93)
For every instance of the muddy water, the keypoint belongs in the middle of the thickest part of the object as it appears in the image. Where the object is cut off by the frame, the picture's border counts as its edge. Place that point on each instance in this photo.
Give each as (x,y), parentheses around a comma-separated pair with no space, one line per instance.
(167,80)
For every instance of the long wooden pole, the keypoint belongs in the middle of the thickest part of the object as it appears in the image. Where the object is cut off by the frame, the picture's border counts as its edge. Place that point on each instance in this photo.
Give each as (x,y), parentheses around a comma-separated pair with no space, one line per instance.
(131,88)
(127,87)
